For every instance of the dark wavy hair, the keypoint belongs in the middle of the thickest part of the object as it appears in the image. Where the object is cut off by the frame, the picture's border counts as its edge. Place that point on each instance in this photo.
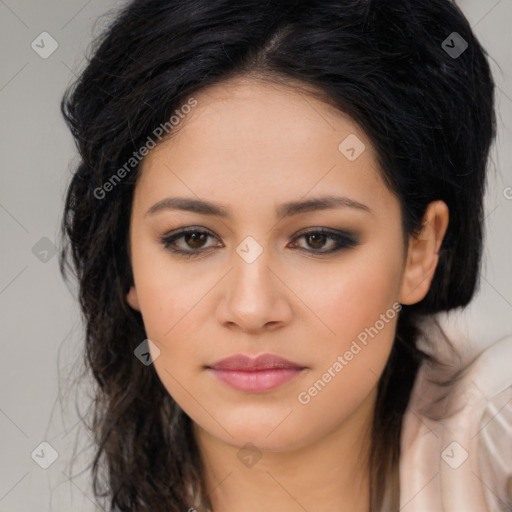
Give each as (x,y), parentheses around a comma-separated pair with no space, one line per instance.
(428,112)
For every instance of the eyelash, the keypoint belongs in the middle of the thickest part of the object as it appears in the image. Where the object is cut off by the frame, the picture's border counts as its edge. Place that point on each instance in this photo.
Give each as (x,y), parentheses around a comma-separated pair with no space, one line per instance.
(344,241)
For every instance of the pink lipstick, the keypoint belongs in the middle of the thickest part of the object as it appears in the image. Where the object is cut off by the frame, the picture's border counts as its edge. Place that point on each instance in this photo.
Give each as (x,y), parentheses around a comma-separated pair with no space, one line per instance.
(255,375)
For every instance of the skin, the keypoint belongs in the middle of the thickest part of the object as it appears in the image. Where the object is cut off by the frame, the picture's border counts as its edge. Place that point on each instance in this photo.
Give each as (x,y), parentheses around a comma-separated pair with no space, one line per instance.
(252,146)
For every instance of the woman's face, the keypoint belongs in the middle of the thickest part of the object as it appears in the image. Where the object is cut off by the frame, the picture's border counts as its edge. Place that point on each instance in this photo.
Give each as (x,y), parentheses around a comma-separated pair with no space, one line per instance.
(260,279)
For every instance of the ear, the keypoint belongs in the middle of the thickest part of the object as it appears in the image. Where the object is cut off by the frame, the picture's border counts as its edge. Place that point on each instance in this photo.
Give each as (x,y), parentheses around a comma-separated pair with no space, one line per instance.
(133,299)
(422,254)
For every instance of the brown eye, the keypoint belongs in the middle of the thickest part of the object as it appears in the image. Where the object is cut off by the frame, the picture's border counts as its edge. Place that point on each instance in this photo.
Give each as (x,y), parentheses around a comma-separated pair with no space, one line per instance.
(318,239)
(195,239)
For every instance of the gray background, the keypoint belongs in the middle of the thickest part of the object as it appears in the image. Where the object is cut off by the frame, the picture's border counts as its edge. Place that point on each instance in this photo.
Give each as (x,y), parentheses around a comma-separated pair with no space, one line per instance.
(41,326)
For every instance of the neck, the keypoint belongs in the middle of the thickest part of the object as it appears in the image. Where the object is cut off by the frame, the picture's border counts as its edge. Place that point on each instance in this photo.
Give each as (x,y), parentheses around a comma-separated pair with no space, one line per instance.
(330,474)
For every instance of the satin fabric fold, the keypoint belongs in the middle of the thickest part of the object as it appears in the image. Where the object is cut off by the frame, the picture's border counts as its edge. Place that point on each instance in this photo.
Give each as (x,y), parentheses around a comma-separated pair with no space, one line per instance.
(456,445)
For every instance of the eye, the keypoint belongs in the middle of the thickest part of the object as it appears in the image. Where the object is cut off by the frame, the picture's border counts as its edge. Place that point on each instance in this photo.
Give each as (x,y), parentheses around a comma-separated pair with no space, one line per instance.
(194,241)
(194,238)
(317,239)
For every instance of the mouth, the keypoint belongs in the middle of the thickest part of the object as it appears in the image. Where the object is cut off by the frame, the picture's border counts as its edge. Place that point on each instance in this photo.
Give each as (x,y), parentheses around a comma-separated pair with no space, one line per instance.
(255,375)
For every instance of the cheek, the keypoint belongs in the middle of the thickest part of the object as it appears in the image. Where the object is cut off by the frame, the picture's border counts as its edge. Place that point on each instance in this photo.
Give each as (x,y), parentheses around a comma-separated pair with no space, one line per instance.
(167,308)
(172,302)
(357,296)
(360,307)
(165,294)
(349,364)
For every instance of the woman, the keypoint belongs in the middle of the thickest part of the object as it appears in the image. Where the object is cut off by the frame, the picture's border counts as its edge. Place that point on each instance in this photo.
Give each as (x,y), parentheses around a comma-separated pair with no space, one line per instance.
(272,199)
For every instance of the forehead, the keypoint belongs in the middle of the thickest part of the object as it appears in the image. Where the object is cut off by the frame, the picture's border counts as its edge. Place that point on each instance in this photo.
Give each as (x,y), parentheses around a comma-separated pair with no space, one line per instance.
(246,139)
(246,107)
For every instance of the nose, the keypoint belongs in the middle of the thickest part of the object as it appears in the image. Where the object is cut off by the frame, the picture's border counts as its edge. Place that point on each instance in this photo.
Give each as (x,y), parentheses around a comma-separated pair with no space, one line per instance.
(255,297)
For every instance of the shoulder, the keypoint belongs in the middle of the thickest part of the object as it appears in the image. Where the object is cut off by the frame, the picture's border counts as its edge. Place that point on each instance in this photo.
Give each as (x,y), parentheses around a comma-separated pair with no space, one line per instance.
(456,446)
(489,385)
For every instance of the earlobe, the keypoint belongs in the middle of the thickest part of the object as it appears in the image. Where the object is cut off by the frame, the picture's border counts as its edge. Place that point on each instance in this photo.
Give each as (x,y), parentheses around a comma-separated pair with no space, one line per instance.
(133,299)
(422,254)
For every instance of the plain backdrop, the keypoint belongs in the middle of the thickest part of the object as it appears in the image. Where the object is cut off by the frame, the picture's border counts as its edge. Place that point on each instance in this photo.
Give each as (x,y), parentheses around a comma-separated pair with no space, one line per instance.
(41,324)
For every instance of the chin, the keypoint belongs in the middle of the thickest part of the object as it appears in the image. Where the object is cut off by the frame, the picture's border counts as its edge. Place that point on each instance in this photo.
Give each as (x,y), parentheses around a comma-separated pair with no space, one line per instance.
(267,436)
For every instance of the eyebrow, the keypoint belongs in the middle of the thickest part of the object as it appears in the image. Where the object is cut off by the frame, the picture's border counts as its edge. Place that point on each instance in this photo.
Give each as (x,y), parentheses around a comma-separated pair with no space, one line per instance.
(284,210)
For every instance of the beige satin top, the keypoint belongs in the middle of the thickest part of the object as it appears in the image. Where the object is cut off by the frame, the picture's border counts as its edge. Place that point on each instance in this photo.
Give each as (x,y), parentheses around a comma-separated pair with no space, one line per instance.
(456,446)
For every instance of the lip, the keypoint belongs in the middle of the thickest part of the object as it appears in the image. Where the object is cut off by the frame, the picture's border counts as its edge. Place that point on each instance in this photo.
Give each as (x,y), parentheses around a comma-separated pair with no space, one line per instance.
(255,375)
(241,362)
